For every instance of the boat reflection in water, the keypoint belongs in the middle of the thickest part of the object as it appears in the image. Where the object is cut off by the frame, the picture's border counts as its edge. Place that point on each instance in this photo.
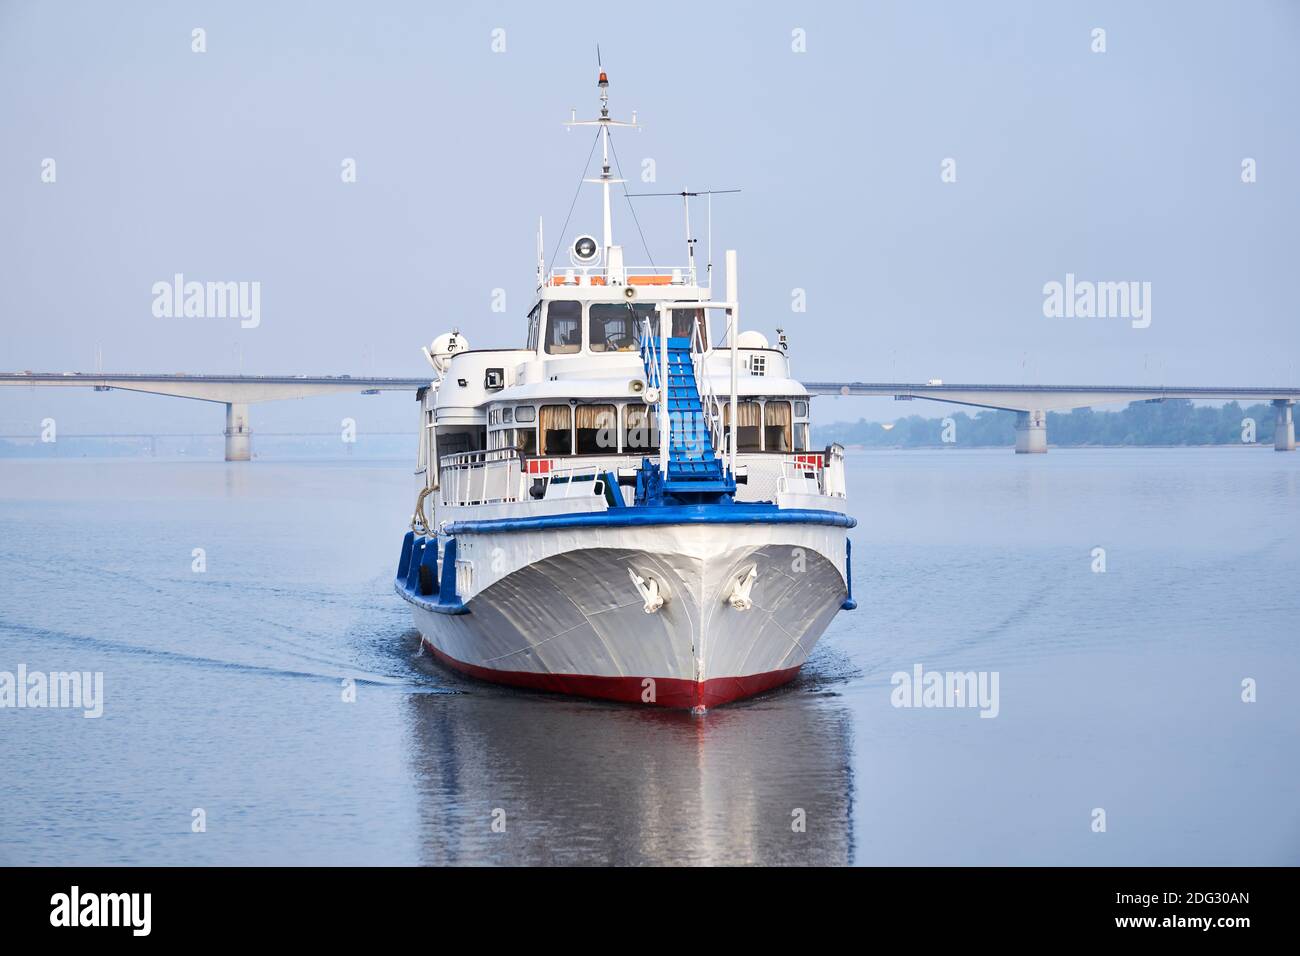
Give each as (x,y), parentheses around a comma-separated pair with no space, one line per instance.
(577,782)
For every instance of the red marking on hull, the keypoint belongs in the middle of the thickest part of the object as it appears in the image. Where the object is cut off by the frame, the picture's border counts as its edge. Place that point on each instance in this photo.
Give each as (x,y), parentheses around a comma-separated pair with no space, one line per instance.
(669,691)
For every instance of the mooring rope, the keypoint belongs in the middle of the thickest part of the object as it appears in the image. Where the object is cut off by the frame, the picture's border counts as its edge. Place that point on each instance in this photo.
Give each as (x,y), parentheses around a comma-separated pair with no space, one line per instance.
(419,523)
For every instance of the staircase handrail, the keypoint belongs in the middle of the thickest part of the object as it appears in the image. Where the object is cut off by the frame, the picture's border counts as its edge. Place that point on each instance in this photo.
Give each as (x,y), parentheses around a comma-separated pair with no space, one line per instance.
(709,403)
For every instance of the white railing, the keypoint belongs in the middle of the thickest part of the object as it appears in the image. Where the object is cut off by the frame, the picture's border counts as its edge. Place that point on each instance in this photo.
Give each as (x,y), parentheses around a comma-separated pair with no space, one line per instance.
(648,275)
(575,475)
(481,477)
(833,482)
(810,473)
(704,383)
(501,475)
(654,357)
(799,476)
(650,358)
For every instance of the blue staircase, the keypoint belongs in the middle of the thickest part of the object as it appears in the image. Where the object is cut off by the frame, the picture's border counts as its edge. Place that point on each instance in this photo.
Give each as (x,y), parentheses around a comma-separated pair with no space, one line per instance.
(695,473)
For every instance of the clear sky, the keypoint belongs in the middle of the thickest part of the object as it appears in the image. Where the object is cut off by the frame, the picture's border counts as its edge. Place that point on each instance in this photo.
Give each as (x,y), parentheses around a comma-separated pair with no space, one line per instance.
(1123,165)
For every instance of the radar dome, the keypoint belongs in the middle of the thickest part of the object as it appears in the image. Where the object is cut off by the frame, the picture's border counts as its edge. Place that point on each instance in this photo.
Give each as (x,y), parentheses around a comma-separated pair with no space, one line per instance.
(439,353)
(751,339)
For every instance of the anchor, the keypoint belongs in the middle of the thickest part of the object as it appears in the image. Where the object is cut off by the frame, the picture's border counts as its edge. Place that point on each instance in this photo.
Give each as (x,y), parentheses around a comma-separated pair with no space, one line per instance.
(739,597)
(649,591)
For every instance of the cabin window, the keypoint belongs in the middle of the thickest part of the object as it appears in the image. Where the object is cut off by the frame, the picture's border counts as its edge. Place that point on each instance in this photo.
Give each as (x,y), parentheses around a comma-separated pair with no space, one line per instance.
(612,327)
(801,436)
(564,327)
(525,413)
(777,431)
(507,415)
(454,443)
(526,441)
(749,418)
(534,326)
(801,427)
(502,438)
(640,429)
(557,430)
(684,324)
(597,430)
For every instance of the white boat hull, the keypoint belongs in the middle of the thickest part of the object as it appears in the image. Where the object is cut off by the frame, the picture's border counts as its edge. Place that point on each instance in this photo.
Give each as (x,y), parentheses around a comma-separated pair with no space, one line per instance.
(558,610)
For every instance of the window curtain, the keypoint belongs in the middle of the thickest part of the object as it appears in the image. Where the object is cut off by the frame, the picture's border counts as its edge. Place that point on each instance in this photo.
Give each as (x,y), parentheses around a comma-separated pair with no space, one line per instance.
(556,425)
(747,413)
(556,418)
(777,419)
(777,413)
(597,416)
(642,428)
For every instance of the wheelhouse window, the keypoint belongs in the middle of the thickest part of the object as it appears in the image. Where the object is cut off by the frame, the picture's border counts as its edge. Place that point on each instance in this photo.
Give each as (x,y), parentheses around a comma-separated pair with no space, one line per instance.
(612,327)
(682,327)
(557,430)
(643,312)
(526,441)
(640,429)
(534,326)
(684,324)
(777,429)
(525,413)
(597,430)
(749,419)
(563,327)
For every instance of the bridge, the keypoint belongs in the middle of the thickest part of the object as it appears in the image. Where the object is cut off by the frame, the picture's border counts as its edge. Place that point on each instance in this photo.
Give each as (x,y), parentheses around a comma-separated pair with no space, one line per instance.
(1031,403)
(236,392)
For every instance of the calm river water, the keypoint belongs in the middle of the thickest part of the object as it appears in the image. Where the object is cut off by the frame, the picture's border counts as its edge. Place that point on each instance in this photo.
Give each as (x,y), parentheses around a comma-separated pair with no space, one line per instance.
(224,690)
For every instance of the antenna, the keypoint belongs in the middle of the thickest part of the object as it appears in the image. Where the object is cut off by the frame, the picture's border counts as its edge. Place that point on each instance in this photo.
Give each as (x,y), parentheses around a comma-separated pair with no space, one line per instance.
(604,121)
(690,243)
(686,195)
(541,255)
(708,269)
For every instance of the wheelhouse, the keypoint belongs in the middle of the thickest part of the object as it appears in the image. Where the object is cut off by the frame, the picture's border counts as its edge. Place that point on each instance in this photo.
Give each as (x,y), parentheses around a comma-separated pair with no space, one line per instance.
(574,327)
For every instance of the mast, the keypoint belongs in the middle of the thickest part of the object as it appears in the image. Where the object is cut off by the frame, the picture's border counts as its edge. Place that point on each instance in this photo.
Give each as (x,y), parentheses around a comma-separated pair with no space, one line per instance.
(607,219)
(605,122)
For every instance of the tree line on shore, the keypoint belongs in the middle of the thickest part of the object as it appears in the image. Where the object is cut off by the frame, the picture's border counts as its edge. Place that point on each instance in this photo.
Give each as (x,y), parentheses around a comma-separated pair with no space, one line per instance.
(1170,422)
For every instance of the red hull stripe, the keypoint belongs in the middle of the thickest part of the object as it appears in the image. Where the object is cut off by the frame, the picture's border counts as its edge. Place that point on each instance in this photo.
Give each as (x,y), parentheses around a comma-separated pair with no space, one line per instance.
(668,691)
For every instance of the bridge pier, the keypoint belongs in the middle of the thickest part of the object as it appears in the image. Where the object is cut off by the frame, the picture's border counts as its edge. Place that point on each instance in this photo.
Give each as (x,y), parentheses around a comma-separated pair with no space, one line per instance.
(1031,433)
(238,436)
(1284,428)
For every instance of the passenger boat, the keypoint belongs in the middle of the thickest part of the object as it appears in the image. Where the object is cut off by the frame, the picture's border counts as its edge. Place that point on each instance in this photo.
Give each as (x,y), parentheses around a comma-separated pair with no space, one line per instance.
(628,507)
